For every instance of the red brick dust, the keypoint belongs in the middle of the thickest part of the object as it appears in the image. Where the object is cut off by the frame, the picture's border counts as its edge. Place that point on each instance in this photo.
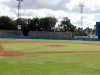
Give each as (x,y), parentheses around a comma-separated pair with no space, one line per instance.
(4,53)
(12,54)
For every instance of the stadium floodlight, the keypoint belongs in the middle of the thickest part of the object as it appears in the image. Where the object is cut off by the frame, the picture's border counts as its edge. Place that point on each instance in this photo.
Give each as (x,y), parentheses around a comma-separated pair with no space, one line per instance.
(19,17)
(81,5)
(19,7)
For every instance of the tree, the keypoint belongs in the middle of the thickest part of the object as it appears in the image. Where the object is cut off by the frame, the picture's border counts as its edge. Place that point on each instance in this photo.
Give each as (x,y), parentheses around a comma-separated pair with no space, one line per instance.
(34,24)
(66,25)
(88,30)
(7,23)
(94,30)
(24,26)
(79,32)
(47,23)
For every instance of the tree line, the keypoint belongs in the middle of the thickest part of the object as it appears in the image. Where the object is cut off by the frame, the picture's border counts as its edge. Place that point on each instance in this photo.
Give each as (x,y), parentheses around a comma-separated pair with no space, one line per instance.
(42,24)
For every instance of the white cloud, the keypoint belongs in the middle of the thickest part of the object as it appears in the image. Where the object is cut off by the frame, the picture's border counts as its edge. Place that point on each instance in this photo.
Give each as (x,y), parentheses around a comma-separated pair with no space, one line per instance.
(72,4)
(4,1)
(55,8)
(6,11)
(53,2)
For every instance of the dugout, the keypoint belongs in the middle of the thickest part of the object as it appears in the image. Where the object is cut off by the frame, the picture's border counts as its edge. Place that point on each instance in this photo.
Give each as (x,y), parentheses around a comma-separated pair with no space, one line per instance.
(98,29)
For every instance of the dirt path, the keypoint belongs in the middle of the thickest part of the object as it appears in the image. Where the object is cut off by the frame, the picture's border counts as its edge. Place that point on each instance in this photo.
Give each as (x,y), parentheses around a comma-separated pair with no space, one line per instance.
(4,53)
(68,52)
(16,54)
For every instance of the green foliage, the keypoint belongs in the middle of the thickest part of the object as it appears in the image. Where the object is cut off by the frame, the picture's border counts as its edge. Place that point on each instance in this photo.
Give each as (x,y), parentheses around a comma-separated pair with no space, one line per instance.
(66,25)
(47,23)
(6,23)
(88,30)
(34,24)
(43,24)
(85,31)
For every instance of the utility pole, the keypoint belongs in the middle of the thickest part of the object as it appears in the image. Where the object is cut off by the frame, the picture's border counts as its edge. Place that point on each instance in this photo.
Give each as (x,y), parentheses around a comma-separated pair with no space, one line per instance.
(19,17)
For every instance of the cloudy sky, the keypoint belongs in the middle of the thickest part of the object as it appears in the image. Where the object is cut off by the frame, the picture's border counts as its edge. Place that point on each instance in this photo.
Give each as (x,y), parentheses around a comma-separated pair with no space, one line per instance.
(54,8)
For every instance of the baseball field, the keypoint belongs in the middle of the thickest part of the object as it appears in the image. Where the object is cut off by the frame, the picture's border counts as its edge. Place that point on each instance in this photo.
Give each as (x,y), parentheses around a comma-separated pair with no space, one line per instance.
(49,57)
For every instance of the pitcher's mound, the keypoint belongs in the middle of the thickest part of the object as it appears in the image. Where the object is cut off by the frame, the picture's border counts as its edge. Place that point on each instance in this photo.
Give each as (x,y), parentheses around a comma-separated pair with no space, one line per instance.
(55,45)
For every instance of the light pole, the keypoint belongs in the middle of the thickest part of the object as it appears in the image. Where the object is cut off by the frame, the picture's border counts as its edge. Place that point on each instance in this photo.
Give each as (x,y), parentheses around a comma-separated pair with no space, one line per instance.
(19,17)
(81,5)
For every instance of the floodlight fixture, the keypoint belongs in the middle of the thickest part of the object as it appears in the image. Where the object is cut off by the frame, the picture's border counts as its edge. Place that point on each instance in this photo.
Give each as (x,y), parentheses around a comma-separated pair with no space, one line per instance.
(81,5)
(19,17)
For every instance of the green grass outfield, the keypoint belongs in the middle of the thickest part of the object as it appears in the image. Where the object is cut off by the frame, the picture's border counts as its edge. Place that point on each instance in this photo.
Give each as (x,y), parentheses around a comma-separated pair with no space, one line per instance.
(50,64)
